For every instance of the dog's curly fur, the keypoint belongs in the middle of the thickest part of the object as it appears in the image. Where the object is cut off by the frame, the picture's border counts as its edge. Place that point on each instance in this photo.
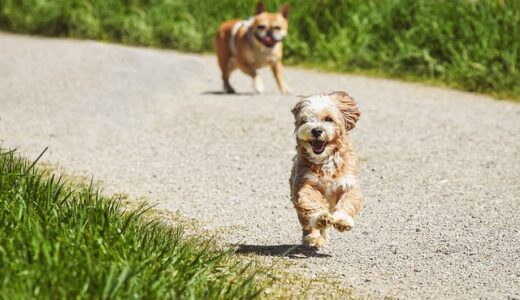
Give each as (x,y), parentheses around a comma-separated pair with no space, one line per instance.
(324,187)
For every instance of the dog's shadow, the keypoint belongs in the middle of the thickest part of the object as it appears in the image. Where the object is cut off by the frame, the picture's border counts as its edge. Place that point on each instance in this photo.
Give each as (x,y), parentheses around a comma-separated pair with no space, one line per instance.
(223,93)
(291,251)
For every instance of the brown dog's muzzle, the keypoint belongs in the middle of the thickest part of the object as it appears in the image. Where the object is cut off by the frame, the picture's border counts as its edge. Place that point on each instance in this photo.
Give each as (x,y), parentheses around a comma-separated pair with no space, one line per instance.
(268,40)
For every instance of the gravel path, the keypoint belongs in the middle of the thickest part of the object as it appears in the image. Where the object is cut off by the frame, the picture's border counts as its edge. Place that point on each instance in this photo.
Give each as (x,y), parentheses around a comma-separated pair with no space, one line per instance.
(440,169)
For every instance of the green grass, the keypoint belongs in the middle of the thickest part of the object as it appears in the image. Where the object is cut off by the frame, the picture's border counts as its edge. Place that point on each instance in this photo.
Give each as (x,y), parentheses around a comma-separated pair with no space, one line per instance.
(59,241)
(62,239)
(469,44)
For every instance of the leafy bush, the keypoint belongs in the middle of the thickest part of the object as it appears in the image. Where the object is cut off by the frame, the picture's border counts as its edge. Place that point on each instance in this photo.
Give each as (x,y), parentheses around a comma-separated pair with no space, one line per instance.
(469,44)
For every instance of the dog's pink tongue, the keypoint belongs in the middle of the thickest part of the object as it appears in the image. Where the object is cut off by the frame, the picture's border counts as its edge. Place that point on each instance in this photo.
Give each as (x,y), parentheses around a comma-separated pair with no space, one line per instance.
(268,40)
(317,146)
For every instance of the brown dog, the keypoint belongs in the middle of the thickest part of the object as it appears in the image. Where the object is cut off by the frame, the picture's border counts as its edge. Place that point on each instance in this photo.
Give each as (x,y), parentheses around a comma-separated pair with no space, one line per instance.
(324,187)
(253,44)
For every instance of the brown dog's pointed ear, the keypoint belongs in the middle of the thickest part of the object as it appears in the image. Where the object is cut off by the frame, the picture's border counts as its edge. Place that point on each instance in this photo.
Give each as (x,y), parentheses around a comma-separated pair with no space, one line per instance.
(348,107)
(260,7)
(284,10)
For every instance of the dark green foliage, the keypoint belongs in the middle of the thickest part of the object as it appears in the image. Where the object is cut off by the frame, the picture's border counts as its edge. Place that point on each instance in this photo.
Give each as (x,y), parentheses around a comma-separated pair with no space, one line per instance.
(57,242)
(470,44)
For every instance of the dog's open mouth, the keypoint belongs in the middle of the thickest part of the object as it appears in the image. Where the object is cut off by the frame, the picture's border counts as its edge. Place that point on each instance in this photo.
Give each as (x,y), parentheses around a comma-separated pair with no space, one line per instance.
(318,146)
(269,41)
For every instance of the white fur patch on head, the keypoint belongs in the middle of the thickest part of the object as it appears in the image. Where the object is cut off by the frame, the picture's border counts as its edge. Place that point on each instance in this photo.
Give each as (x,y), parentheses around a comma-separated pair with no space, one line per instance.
(319,102)
(339,215)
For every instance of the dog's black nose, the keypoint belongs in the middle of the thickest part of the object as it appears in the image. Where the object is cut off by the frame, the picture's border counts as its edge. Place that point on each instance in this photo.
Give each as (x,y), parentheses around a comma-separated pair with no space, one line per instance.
(316,132)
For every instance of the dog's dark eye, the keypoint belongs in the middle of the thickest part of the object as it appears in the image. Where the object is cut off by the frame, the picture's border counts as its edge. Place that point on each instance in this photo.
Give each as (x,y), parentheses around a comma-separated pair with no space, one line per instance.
(277,27)
(328,119)
(261,27)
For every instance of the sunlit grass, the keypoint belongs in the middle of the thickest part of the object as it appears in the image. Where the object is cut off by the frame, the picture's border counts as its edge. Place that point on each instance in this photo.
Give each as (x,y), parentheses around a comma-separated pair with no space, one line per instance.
(63,242)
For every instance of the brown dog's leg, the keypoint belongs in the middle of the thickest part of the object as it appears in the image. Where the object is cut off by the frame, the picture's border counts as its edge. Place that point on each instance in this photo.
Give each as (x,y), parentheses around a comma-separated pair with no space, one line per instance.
(348,206)
(277,71)
(258,84)
(225,59)
(227,65)
(314,216)
(226,72)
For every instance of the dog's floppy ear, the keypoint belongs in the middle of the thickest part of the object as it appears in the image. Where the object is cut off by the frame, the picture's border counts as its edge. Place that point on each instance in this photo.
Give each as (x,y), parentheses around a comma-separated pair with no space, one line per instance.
(284,10)
(348,107)
(298,106)
(260,7)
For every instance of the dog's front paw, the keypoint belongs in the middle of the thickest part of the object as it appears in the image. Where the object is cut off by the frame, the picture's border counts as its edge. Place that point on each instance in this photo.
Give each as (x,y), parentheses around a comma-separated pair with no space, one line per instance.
(314,240)
(342,222)
(258,84)
(348,182)
(342,225)
(322,221)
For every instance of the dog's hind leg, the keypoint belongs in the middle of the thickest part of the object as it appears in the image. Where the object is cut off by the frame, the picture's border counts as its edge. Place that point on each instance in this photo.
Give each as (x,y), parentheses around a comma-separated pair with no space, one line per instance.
(226,61)
(227,65)
(325,235)
(230,65)
(313,238)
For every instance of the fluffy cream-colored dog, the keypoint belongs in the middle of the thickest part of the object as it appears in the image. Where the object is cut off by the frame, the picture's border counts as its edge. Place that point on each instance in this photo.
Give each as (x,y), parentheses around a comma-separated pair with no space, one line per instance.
(324,186)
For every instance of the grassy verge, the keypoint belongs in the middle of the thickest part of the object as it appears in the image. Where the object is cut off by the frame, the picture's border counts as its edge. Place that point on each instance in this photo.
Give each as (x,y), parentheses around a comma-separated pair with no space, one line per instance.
(60,239)
(472,45)
(59,242)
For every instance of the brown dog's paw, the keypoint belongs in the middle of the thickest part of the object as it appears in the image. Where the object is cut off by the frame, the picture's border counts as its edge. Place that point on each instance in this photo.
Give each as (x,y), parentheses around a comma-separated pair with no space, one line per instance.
(342,222)
(229,90)
(322,221)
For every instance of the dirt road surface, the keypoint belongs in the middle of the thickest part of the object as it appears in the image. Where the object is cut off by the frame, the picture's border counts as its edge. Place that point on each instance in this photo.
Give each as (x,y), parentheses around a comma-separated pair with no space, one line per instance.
(440,169)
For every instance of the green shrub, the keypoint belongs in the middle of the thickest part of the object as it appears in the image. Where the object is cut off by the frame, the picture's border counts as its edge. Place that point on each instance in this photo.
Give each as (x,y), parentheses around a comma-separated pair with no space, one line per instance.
(468,44)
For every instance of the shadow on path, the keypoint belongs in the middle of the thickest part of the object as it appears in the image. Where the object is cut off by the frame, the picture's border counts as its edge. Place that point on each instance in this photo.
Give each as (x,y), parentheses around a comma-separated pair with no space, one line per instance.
(222,93)
(291,251)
